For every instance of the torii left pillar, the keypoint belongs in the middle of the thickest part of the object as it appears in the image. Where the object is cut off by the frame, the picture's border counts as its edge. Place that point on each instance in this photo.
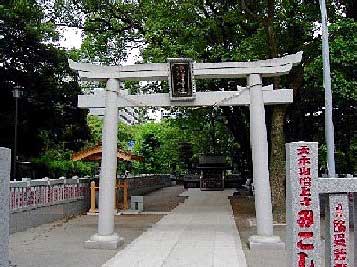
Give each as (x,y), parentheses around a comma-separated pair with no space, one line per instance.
(106,238)
(259,141)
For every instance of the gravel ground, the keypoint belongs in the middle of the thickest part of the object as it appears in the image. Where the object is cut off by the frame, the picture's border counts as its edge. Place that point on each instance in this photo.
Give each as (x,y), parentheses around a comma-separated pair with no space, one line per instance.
(164,199)
(60,244)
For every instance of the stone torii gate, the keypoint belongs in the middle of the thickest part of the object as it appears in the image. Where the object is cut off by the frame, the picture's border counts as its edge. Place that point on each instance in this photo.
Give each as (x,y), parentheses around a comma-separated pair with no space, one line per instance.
(254,95)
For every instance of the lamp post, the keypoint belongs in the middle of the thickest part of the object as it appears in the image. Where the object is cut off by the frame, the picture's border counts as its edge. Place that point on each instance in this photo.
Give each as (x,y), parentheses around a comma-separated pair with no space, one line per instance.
(329,128)
(17,92)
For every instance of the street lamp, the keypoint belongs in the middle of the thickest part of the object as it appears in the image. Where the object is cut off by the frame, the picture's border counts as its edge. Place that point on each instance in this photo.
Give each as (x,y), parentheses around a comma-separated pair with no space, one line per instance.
(329,128)
(16,93)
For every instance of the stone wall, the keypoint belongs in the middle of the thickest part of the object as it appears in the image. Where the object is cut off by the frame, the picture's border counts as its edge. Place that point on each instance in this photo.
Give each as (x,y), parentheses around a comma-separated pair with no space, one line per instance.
(5,156)
(32,217)
(143,184)
(36,202)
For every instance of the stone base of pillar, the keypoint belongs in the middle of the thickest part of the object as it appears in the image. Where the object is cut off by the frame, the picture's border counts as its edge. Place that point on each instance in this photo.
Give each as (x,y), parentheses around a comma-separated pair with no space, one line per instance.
(104,241)
(265,242)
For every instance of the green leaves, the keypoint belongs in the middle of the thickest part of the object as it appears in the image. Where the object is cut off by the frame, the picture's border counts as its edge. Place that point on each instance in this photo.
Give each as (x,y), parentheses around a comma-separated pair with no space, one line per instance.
(28,59)
(343,58)
(57,163)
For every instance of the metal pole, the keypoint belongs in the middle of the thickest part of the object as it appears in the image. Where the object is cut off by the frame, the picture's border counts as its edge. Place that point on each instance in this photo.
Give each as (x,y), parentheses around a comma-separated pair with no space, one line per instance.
(329,128)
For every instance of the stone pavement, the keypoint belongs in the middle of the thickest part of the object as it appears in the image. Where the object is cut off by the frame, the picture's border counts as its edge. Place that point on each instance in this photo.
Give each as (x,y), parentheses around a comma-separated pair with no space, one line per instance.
(199,232)
(60,244)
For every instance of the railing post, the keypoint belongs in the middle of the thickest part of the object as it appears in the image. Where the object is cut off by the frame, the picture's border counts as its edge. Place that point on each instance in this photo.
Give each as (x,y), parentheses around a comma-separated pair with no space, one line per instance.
(92,197)
(116,206)
(125,190)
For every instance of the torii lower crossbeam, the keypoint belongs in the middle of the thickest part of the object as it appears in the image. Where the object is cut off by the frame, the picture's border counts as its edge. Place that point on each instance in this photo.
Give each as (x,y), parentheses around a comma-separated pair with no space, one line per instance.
(203,99)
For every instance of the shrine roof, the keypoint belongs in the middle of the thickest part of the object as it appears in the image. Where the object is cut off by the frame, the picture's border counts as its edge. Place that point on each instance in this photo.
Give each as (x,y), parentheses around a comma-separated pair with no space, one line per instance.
(94,153)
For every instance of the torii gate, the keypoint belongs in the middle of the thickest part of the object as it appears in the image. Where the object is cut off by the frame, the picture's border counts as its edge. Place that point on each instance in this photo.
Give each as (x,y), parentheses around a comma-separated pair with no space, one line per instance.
(254,95)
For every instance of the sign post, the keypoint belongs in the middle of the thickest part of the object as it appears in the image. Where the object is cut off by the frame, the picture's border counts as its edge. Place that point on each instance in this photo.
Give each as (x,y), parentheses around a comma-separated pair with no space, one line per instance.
(302,205)
(303,211)
(5,163)
(337,238)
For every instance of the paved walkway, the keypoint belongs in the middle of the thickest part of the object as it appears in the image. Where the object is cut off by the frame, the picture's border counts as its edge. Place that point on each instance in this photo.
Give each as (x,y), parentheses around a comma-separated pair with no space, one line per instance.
(60,244)
(199,232)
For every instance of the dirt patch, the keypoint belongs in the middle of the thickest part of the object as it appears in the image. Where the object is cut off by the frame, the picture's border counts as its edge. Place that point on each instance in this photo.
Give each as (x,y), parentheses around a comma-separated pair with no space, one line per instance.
(164,199)
(243,209)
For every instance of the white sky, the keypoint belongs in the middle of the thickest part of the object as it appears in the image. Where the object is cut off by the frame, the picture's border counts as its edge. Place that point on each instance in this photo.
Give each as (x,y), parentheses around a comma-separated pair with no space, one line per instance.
(72,37)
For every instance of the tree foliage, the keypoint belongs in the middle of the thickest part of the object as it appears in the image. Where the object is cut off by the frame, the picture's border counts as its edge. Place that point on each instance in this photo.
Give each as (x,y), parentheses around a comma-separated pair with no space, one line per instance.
(160,143)
(218,31)
(48,115)
(207,31)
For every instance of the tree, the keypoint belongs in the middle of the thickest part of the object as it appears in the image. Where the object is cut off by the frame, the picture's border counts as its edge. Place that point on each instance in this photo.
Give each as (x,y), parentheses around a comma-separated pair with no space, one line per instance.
(216,31)
(48,112)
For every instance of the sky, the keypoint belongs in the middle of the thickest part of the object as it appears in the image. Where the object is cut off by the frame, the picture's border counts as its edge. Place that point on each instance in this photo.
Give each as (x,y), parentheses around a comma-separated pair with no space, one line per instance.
(71,37)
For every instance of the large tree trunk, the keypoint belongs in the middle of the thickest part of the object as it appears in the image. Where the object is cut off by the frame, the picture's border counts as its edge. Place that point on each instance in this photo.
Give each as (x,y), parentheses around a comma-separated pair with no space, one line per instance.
(277,154)
(277,163)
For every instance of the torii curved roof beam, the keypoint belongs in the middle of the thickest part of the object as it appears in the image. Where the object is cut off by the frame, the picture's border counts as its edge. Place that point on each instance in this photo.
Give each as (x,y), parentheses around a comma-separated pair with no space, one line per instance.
(159,71)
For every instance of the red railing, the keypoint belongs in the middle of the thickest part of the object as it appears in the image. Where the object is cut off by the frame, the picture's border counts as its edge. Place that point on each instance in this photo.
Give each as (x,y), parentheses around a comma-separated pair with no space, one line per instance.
(42,192)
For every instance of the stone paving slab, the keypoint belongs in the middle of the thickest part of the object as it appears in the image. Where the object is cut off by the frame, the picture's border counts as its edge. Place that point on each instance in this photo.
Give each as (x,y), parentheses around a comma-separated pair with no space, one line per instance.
(60,244)
(199,232)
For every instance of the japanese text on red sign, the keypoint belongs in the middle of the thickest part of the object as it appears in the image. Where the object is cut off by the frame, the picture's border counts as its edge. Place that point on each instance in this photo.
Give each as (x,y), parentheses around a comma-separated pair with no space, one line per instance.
(305,214)
(339,237)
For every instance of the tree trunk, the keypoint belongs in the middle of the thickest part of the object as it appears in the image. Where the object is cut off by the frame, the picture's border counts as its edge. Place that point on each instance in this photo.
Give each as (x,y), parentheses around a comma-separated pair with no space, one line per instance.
(277,153)
(277,163)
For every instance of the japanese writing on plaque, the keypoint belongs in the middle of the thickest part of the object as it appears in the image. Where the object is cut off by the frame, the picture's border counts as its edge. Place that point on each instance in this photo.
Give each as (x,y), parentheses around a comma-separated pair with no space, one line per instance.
(305,213)
(339,237)
(181,84)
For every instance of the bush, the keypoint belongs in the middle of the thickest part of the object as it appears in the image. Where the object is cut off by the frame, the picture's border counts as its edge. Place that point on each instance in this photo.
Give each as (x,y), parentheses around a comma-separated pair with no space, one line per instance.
(58,163)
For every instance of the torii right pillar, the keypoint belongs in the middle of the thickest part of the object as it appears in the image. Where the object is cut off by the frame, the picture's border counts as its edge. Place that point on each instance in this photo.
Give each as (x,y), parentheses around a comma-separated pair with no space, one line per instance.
(259,142)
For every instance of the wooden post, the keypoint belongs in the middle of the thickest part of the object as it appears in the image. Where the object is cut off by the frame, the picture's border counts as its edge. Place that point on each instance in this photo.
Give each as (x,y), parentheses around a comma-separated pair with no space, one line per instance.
(92,197)
(125,189)
(116,206)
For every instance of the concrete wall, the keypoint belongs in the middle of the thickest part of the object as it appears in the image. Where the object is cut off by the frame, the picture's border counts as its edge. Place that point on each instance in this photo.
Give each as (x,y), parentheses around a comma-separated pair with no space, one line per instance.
(27,218)
(22,219)
(143,184)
